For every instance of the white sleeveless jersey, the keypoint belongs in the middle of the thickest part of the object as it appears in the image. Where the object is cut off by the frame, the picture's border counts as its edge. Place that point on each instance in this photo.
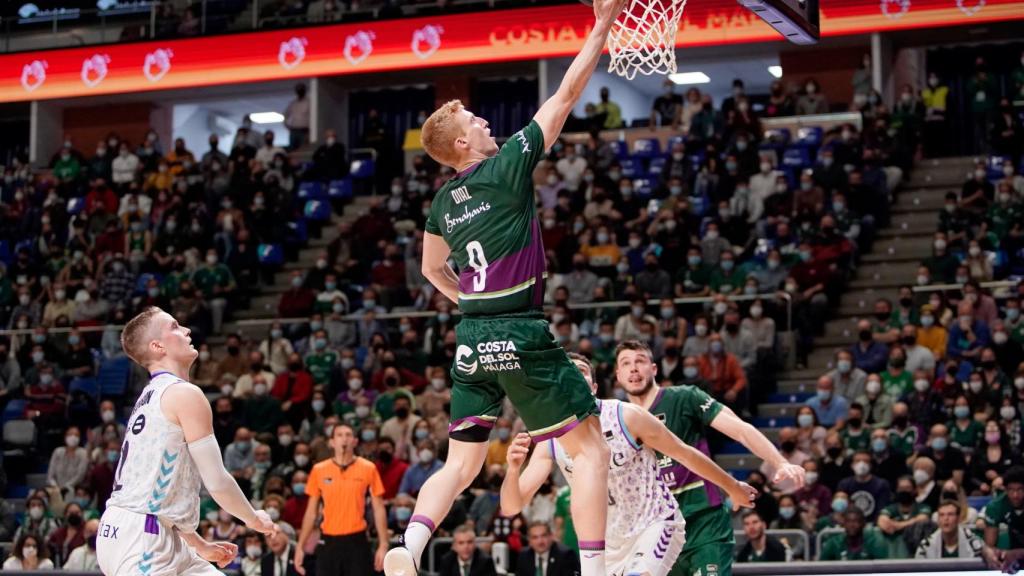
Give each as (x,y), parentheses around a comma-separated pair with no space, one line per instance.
(155,474)
(637,498)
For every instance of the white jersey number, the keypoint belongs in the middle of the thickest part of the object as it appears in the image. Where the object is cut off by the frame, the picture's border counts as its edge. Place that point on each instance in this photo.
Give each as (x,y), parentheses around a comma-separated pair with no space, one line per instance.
(475,252)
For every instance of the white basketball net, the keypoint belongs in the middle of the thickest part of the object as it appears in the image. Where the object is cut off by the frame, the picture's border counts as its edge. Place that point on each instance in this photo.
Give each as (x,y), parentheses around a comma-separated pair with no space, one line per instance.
(643,38)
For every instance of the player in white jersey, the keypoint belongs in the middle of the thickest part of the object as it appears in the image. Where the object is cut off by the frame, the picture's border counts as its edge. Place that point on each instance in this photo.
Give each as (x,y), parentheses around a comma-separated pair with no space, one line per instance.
(169,453)
(645,529)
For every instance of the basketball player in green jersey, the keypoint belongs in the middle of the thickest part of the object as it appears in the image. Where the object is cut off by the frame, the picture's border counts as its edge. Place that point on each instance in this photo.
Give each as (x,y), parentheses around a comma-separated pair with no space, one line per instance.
(687,411)
(485,219)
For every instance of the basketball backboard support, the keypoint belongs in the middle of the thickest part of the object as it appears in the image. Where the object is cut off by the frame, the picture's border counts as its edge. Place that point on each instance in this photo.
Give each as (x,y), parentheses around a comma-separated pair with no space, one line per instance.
(796,20)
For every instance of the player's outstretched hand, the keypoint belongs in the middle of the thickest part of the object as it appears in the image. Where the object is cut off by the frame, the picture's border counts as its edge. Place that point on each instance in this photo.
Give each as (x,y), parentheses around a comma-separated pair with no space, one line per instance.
(742,496)
(263,524)
(220,553)
(608,10)
(791,476)
(518,450)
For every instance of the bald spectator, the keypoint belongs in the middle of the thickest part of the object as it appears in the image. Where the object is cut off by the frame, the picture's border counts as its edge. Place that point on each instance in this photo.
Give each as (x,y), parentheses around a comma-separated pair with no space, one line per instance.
(827,406)
(847,378)
(949,461)
(723,372)
(257,370)
(297,301)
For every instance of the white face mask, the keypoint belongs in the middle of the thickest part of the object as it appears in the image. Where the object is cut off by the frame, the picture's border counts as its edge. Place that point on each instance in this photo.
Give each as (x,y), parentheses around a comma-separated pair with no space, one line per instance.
(29,552)
(72,440)
(426,455)
(255,551)
(301,460)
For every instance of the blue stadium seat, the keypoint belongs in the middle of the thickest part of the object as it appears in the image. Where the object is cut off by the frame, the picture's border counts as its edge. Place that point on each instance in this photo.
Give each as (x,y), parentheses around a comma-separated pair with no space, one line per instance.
(113,377)
(270,254)
(362,169)
(297,232)
(140,282)
(657,167)
(89,386)
(797,157)
(631,168)
(643,187)
(646,148)
(673,140)
(6,256)
(697,158)
(317,211)
(978,502)
(734,448)
(995,167)
(777,136)
(619,147)
(75,206)
(809,136)
(15,409)
(339,189)
(311,191)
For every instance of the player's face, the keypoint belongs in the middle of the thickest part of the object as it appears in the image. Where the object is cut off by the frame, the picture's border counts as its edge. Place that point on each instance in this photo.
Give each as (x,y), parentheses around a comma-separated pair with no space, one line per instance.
(176,339)
(478,134)
(634,371)
(585,370)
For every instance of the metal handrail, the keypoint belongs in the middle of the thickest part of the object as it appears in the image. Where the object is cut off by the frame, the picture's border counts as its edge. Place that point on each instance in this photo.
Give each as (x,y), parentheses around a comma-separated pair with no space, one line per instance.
(783,533)
(941,287)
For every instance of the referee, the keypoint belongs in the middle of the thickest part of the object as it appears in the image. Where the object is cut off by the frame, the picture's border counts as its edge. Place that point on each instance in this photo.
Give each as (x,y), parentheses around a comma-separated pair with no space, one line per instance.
(343,482)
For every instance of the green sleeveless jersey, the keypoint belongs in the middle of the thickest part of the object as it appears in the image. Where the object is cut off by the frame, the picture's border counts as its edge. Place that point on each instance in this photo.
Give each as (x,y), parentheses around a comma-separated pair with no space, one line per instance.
(487,216)
(687,411)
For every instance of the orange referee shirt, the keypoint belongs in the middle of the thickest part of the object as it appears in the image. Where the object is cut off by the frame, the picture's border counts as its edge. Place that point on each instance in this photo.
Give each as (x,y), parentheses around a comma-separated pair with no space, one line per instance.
(343,492)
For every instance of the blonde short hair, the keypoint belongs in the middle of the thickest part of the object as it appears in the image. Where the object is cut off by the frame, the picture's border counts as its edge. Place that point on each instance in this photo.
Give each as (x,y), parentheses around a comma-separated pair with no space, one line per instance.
(135,336)
(440,132)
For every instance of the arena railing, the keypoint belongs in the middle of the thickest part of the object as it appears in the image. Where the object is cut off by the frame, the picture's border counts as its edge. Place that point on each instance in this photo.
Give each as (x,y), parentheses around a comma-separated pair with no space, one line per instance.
(787,534)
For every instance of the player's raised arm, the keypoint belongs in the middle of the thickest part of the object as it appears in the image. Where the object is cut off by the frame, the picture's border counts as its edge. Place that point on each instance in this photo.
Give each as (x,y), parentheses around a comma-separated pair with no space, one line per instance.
(551,116)
(187,406)
(649,430)
(519,486)
(728,423)
(435,266)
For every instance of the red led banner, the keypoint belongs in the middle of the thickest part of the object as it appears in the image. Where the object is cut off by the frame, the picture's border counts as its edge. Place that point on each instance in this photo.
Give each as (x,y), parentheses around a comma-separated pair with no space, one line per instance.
(494,36)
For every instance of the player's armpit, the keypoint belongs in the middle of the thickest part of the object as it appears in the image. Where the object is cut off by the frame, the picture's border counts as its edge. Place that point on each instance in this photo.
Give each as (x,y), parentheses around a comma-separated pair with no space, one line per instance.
(185,404)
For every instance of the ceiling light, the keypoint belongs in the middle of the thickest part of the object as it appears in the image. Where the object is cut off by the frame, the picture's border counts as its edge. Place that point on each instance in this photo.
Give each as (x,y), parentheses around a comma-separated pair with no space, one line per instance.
(266,117)
(775,71)
(689,78)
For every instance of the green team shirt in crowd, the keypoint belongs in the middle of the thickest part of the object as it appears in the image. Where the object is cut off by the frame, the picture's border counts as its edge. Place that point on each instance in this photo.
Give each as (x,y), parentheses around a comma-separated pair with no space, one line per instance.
(695,279)
(320,366)
(837,548)
(968,438)
(562,510)
(855,442)
(899,385)
(487,216)
(206,278)
(687,411)
(999,512)
(893,511)
(903,441)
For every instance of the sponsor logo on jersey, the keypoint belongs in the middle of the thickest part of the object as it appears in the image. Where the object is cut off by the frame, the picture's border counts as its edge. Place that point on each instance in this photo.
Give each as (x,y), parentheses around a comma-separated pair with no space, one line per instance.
(461,354)
(707,405)
(493,356)
(467,215)
(522,140)
(461,194)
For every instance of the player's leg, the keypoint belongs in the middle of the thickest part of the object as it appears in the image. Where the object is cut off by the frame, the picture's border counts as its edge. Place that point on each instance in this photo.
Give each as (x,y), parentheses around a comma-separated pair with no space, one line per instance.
(709,549)
(555,401)
(131,544)
(654,551)
(476,402)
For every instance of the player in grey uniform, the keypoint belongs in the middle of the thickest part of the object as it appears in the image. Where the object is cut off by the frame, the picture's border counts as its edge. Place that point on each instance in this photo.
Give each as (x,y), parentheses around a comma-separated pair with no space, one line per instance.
(645,529)
(169,452)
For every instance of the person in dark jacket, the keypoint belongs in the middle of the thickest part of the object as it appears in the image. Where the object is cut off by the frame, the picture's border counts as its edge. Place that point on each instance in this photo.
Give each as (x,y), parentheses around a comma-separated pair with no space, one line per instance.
(545,557)
(760,547)
(465,559)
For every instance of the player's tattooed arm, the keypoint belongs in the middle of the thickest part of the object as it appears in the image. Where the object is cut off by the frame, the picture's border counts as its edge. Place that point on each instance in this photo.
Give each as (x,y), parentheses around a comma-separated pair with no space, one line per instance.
(519,486)
(435,266)
(728,423)
(646,428)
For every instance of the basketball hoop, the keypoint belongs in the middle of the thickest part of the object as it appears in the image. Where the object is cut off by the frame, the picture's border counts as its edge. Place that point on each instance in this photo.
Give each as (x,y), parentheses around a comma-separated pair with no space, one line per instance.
(643,38)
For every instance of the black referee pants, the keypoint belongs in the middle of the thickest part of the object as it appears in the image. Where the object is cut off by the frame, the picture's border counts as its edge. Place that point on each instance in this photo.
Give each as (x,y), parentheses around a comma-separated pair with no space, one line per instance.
(347,555)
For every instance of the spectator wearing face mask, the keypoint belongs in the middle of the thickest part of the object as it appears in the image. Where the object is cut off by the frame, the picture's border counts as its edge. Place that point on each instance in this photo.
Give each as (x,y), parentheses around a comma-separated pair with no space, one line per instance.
(723,372)
(827,406)
(934,98)
(427,465)
(68,463)
(29,554)
(254,370)
(83,558)
(100,478)
(37,519)
(900,521)
(629,325)
(70,535)
(294,389)
(876,402)
(497,448)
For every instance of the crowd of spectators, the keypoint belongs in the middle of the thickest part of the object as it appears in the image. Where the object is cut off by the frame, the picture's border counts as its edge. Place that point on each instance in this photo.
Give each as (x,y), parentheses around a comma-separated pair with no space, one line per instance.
(725,220)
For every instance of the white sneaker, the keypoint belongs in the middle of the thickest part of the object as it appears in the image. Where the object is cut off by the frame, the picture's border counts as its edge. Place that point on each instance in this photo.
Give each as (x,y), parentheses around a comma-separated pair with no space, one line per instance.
(399,562)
